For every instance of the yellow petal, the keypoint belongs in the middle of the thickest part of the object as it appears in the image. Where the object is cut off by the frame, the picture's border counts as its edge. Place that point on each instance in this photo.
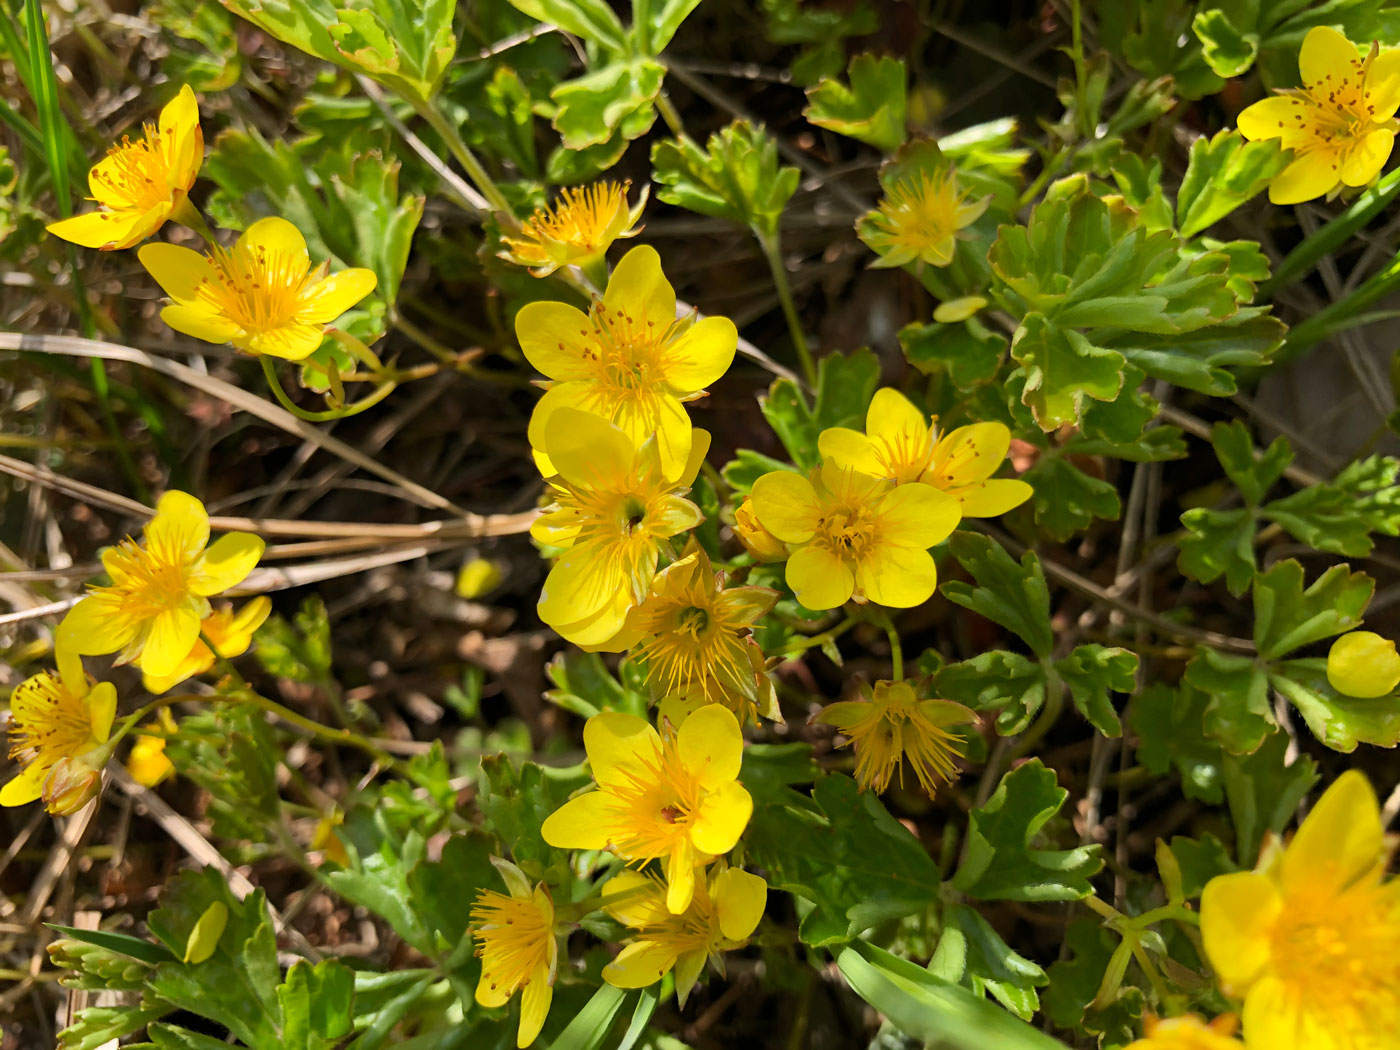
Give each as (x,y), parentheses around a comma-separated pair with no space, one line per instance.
(1280,116)
(711,746)
(897,577)
(987,499)
(579,823)
(723,814)
(179,271)
(1383,85)
(587,450)
(917,516)
(641,899)
(598,630)
(819,579)
(1363,664)
(245,624)
(293,341)
(534,1006)
(954,311)
(275,236)
(1327,58)
(110,230)
(330,298)
(180,528)
(1238,912)
(893,417)
(1368,157)
(199,323)
(147,763)
(663,416)
(90,628)
(1274,1019)
(582,585)
(227,562)
(179,127)
(786,505)
(70,669)
(172,633)
(1310,176)
(204,937)
(638,287)
(850,450)
(583,396)
(680,878)
(740,898)
(24,788)
(699,449)
(701,355)
(1340,841)
(615,741)
(491,991)
(977,451)
(555,337)
(639,964)
(102,709)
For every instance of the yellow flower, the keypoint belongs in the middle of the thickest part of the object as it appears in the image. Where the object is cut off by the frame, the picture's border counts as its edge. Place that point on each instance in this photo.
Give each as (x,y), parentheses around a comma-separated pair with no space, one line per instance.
(1340,124)
(59,727)
(899,445)
(614,505)
(919,218)
(1311,939)
(160,591)
(139,185)
(757,540)
(722,915)
(1189,1033)
(577,230)
(1363,664)
(674,798)
(693,635)
(855,535)
(263,295)
(891,724)
(628,359)
(518,949)
(231,634)
(148,763)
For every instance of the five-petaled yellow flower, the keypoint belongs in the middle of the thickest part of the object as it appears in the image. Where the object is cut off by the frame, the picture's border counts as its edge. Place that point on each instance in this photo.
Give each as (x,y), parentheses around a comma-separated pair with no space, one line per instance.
(577,229)
(1363,664)
(856,535)
(139,185)
(614,505)
(722,915)
(262,295)
(160,590)
(675,798)
(919,218)
(518,948)
(693,635)
(901,446)
(231,634)
(59,728)
(891,723)
(1189,1032)
(1340,124)
(629,359)
(1310,939)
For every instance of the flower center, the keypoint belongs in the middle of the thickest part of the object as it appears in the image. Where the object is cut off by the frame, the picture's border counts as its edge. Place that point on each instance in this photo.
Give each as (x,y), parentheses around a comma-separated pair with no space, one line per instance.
(628,355)
(137,176)
(847,531)
(923,212)
(147,581)
(904,455)
(513,936)
(48,722)
(257,289)
(654,801)
(580,217)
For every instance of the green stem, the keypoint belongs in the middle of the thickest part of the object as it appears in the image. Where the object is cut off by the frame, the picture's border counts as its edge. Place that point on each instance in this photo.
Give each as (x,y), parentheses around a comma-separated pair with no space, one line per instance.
(465,157)
(773,254)
(896,646)
(669,115)
(368,401)
(820,639)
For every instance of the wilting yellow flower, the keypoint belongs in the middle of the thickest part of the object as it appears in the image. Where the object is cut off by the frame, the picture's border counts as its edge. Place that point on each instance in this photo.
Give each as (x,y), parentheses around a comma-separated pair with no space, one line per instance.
(231,634)
(518,948)
(855,535)
(722,915)
(160,591)
(577,229)
(1189,1033)
(614,505)
(59,728)
(1311,938)
(147,762)
(919,218)
(757,540)
(1363,664)
(1340,124)
(262,295)
(139,185)
(890,724)
(628,359)
(675,798)
(901,446)
(693,634)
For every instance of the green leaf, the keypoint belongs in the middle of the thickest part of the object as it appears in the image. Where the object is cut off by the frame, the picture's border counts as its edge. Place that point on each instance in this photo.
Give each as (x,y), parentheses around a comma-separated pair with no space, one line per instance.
(1238,714)
(444,890)
(170,1037)
(1341,722)
(1076,983)
(1010,593)
(1092,672)
(737,176)
(926,1007)
(1198,360)
(590,19)
(845,385)
(664,20)
(1223,172)
(316,1002)
(1253,475)
(516,802)
(301,650)
(586,686)
(120,943)
(996,680)
(1228,51)
(987,964)
(1063,369)
(851,863)
(1001,861)
(1324,517)
(967,353)
(871,108)
(617,99)
(1218,543)
(1170,728)
(591,1025)
(1287,617)
(231,752)
(1263,791)
(748,466)
(1199,861)
(94,1027)
(1066,499)
(381,854)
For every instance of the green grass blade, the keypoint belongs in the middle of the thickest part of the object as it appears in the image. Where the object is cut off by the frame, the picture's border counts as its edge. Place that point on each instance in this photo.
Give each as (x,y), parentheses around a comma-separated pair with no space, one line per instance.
(44,88)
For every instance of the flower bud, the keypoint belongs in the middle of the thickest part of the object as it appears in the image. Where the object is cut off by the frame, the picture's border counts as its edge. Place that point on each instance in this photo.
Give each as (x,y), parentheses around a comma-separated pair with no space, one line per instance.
(757,540)
(1363,665)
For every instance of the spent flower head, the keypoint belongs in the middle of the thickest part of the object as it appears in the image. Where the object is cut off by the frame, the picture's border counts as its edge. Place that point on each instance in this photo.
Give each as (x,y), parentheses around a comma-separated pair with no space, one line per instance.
(722,915)
(629,359)
(901,446)
(675,798)
(59,730)
(159,595)
(1310,939)
(518,947)
(855,535)
(919,218)
(577,229)
(262,295)
(139,185)
(1340,124)
(890,724)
